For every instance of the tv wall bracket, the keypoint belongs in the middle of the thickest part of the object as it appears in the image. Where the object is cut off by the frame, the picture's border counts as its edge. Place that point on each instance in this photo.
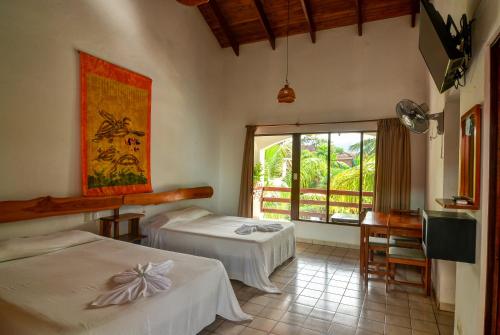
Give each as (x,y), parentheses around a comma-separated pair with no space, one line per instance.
(462,38)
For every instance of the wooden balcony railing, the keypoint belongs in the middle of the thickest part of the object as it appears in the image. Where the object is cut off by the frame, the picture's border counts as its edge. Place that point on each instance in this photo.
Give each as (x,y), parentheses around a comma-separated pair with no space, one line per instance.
(303,214)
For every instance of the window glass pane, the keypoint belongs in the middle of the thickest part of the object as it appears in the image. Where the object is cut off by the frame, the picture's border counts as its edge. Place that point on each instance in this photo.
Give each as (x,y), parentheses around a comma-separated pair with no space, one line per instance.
(313,176)
(344,176)
(369,143)
(272,177)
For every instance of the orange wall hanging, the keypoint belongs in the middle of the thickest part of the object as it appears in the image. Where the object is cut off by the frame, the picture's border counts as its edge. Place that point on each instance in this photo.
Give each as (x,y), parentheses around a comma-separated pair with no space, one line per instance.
(115,128)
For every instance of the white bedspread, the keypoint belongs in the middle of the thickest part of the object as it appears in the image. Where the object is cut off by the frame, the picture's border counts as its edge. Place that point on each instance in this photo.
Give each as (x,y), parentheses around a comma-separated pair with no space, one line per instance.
(50,293)
(248,258)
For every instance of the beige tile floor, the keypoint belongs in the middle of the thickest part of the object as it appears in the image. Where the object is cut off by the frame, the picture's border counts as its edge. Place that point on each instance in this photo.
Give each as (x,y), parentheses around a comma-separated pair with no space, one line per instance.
(323,294)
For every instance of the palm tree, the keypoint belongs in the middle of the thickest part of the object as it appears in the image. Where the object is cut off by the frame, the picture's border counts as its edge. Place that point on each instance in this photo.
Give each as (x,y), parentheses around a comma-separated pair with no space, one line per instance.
(274,157)
(369,146)
(349,180)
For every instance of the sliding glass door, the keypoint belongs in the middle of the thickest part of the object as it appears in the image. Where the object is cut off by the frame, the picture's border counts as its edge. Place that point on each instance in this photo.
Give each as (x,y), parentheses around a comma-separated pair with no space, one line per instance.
(331,174)
(345,177)
(272,177)
(369,145)
(313,177)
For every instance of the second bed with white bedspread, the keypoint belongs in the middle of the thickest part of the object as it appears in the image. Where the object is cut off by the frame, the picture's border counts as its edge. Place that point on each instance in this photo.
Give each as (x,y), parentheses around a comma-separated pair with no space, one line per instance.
(248,258)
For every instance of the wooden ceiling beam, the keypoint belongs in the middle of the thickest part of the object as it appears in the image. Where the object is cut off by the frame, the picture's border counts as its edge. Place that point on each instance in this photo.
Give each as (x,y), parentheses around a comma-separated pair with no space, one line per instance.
(224,27)
(313,15)
(414,10)
(359,15)
(306,7)
(265,23)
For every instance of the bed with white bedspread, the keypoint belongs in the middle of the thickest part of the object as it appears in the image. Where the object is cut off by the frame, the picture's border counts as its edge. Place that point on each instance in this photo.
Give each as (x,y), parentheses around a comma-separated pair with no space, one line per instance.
(247,258)
(50,289)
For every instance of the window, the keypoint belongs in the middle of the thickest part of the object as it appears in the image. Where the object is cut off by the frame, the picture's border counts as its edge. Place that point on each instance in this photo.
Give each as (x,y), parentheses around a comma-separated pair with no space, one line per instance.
(322,177)
(345,174)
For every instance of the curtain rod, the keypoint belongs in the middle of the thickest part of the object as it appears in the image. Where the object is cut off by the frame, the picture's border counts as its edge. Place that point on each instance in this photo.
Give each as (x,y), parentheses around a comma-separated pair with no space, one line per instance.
(314,123)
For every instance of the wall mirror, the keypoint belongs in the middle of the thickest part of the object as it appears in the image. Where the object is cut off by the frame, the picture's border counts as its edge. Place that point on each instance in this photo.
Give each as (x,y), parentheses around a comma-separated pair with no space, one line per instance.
(470,156)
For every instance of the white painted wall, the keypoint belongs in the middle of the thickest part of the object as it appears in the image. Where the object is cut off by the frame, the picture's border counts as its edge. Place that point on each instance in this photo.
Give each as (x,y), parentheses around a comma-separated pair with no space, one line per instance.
(342,77)
(39,94)
(442,182)
(470,278)
(451,147)
(443,272)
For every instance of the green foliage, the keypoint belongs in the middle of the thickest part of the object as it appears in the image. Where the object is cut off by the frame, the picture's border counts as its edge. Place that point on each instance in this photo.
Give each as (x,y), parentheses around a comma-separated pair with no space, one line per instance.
(369,146)
(274,157)
(257,172)
(348,180)
(313,161)
(337,167)
(122,178)
(313,170)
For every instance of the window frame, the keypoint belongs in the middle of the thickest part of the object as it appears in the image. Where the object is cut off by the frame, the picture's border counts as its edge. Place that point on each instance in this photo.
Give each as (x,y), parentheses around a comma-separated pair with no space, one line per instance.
(295,187)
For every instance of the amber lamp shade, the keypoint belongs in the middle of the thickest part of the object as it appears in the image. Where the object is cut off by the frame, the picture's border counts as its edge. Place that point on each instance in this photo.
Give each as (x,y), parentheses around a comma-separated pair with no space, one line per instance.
(286,95)
(192,2)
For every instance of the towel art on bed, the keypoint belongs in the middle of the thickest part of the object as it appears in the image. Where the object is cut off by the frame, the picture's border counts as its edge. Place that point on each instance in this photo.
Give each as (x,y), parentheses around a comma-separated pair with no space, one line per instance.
(247,229)
(142,281)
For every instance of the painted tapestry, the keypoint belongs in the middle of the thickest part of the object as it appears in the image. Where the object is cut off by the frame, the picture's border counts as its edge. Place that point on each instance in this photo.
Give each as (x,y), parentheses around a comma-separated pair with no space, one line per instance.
(116,128)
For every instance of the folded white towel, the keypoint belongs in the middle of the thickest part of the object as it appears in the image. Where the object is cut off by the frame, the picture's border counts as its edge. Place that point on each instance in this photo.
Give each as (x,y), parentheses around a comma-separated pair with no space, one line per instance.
(247,229)
(142,281)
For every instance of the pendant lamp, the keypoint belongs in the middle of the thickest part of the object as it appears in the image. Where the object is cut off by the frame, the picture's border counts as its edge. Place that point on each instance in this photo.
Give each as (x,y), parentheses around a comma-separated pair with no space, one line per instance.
(287,94)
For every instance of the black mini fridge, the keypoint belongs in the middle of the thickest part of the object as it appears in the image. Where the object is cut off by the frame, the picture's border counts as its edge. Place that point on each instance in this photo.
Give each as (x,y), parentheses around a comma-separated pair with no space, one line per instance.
(449,236)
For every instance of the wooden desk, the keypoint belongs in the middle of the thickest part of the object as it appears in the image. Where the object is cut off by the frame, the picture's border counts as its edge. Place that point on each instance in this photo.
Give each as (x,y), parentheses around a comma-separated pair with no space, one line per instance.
(377,223)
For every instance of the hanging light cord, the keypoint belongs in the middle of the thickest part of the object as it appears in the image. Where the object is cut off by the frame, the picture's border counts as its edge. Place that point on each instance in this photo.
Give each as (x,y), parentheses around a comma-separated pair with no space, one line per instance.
(287,32)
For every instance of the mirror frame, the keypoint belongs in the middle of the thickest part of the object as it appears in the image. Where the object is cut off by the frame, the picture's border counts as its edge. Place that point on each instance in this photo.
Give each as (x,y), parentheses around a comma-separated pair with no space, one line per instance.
(475,113)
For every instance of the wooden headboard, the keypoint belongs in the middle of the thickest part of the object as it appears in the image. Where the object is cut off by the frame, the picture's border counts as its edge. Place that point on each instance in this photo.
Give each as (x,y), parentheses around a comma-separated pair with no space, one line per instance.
(164,197)
(49,206)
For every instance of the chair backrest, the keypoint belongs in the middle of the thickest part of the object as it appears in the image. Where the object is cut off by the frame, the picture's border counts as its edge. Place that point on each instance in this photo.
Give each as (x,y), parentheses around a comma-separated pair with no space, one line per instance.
(411,212)
(401,232)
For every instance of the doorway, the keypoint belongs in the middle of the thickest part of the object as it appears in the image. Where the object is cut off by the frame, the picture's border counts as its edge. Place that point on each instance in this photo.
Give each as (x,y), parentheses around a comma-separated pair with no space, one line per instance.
(492,312)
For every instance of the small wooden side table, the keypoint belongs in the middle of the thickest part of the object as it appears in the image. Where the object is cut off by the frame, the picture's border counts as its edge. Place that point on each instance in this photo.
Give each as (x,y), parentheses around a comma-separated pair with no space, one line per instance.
(134,234)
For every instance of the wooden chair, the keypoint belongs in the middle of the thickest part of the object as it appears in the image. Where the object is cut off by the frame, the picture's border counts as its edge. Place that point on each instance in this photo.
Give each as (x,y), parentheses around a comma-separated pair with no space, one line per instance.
(406,241)
(378,245)
(377,242)
(406,256)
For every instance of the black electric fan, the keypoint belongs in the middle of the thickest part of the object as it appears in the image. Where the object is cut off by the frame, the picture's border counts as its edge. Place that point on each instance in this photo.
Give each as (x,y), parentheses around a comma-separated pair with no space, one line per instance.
(415,117)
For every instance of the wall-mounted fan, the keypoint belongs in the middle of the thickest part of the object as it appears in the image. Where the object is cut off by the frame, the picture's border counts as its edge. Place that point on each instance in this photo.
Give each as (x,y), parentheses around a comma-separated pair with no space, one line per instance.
(415,117)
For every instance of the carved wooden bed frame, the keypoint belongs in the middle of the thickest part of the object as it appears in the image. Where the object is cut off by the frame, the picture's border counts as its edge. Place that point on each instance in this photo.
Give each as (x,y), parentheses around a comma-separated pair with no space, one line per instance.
(49,206)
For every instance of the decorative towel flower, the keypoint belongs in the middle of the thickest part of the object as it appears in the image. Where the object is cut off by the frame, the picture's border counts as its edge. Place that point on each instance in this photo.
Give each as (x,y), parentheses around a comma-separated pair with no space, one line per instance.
(142,281)
(247,229)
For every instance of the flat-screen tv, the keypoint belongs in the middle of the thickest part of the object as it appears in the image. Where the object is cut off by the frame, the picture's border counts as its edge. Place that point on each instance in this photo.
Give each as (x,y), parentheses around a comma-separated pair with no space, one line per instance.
(438,48)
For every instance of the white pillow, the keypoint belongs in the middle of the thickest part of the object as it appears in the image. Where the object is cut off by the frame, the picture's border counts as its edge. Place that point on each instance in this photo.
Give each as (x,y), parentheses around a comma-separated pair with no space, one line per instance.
(22,247)
(186,214)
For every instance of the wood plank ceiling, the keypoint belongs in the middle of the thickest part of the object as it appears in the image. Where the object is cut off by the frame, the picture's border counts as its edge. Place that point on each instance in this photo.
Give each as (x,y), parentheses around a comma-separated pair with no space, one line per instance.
(236,22)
